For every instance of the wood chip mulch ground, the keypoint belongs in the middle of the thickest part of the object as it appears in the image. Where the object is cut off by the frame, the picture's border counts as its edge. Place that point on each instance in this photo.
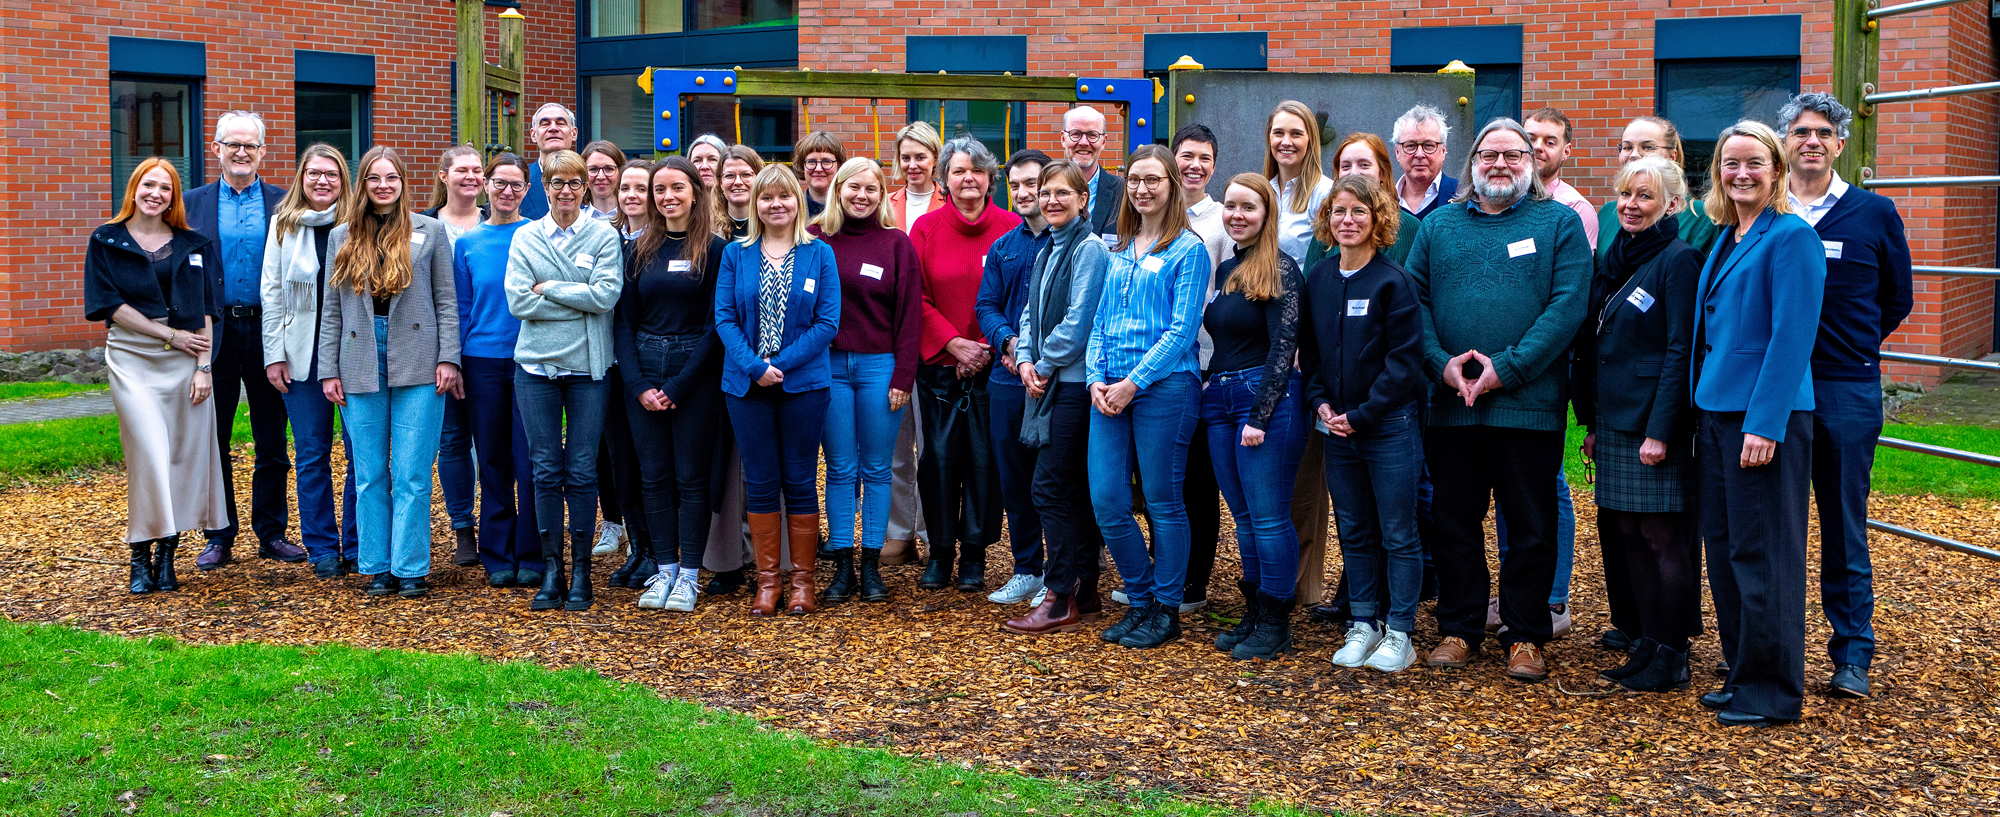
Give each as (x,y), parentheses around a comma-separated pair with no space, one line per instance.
(929,674)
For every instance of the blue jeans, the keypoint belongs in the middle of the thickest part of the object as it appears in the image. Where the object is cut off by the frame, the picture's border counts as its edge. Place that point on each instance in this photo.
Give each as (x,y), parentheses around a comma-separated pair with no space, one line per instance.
(1565,536)
(860,441)
(564,455)
(454,466)
(778,435)
(1372,480)
(1847,420)
(1017,473)
(312,438)
(395,435)
(1154,431)
(1257,480)
(508,538)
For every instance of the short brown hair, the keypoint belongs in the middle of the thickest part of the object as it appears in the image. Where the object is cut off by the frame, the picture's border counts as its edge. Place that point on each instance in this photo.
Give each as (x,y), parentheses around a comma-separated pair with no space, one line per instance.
(818,141)
(1383,211)
(1554,116)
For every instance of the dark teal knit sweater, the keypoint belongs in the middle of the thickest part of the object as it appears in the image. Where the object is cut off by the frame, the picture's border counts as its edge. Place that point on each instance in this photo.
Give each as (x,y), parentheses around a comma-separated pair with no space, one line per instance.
(1486,287)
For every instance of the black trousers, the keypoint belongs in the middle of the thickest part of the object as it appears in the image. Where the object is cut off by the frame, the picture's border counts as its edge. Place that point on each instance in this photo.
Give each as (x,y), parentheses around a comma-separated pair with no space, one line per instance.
(618,492)
(1754,523)
(239,371)
(1652,574)
(1061,489)
(1017,475)
(1204,510)
(1472,467)
(675,450)
(958,478)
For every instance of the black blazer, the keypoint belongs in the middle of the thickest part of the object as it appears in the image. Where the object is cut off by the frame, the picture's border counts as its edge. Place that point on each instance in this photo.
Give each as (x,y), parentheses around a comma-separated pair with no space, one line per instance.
(116,272)
(204,210)
(1105,195)
(1361,341)
(1631,365)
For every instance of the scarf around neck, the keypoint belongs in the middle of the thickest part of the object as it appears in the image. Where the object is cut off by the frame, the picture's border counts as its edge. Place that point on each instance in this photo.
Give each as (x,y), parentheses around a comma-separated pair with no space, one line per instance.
(1630,251)
(1048,296)
(301,262)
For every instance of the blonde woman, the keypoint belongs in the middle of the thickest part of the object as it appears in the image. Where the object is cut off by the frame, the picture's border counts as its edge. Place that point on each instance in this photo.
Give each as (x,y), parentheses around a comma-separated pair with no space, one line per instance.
(1292,164)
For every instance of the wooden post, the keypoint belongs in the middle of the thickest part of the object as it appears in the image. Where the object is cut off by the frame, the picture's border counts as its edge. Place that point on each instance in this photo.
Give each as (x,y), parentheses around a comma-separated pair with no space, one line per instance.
(513,60)
(472,73)
(1856,70)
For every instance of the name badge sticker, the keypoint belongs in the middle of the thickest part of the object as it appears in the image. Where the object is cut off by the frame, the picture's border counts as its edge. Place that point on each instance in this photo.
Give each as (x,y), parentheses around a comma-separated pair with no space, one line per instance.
(1109,238)
(1152,263)
(679,265)
(1833,249)
(417,239)
(585,260)
(811,285)
(871,271)
(1640,298)
(194,259)
(1213,294)
(1357,307)
(1525,246)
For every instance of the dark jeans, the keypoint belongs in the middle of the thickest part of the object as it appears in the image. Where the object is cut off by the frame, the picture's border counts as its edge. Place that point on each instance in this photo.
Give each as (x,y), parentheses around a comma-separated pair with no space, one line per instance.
(1652,567)
(565,456)
(1203,499)
(454,462)
(1471,467)
(1151,435)
(958,479)
(1847,420)
(618,490)
(1372,480)
(508,538)
(1061,491)
(1256,480)
(675,450)
(1754,523)
(778,436)
(238,364)
(311,416)
(1017,474)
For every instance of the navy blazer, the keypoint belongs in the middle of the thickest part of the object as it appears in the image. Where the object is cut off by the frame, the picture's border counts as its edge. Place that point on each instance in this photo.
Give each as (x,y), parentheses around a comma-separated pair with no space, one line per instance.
(1105,195)
(812,318)
(204,214)
(1757,316)
(1631,363)
(1868,286)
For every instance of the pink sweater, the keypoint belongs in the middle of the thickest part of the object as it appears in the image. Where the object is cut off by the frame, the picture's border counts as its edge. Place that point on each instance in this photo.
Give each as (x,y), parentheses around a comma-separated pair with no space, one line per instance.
(953,252)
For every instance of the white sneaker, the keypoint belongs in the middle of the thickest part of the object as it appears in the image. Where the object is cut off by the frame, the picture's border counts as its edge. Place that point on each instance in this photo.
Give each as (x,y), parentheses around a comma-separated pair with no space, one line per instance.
(1119,597)
(1560,622)
(1394,654)
(1039,596)
(609,536)
(1017,589)
(1191,606)
(1362,639)
(687,587)
(657,587)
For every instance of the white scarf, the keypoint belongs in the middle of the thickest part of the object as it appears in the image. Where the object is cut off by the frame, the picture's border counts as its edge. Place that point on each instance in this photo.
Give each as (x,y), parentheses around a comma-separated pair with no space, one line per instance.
(301,260)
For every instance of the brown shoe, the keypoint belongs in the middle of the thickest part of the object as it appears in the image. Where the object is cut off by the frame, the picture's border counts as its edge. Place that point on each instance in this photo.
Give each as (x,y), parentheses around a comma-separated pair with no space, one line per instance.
(805,547)
(899,552)
(1452,653)
(764,548)
(1525,663)
(1056,614)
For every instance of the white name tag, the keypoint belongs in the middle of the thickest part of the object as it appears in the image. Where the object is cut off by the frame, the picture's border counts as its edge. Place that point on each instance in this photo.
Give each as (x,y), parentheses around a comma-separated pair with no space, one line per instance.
(871,271)
(1152,263)
(811,284)
(418,239)
(1525,246)
(682,265)
(1640,298)
(1357,308)
(1832,249)
(1214,295)
(585,260)
(982,262)
(1109,238)
(194,259)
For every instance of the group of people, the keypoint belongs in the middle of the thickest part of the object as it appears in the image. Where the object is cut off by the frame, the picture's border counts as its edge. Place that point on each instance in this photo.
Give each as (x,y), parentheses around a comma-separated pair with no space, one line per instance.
(678,342)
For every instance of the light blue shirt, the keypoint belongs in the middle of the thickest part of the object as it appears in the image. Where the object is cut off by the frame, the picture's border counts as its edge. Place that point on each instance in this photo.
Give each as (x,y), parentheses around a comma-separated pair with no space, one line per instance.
(240,217)
(1148,314)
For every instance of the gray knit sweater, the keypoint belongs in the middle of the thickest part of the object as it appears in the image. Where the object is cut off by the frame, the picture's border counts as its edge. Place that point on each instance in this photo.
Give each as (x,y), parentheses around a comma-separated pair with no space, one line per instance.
(567,324)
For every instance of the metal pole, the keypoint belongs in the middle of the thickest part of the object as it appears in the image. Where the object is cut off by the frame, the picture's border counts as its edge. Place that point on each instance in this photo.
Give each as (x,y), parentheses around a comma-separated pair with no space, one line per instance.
(1934,181)
(1940,451)
(1910,8)
(1920,536)
(1934,360)
(1934,93)
(1961,272)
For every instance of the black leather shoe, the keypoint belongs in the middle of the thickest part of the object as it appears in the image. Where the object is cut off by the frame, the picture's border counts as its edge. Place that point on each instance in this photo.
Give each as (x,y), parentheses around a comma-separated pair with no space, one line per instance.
(501,578)
(1666,672)
(1235,635)
(1718,699)
(550,596)
(1615,640)
(1272,636)
(623,576)
(1162,625)
(724,582)
(841,587)
(281,550)
(825,554)
(414,588)
(527,578)
(384,584)
(163,563)
(465,552)
(1328,614)
(1636,660)
(327,569)
(937,573)
(971,568)
(1731,717)
(215,556)
(142,568)
(349,567)
(1722,668)
(1850,681)
(1134,616)
(580,597)
(873,589)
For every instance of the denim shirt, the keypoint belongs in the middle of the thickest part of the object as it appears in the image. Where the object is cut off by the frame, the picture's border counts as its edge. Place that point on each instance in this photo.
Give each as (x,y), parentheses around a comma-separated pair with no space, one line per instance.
(1148,314)
(241,219)
(1003,291)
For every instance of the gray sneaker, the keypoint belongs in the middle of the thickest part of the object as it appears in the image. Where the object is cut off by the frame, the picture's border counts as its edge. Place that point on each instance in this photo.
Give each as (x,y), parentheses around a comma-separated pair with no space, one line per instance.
(1018,589)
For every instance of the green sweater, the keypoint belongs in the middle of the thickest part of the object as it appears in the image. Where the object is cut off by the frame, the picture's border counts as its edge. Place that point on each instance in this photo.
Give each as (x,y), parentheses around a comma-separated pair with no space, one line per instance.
(1512,286)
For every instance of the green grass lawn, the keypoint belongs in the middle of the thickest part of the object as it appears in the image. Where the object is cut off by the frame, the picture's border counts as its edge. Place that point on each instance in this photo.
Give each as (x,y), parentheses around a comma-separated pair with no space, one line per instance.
(45,388)
(60,448)
(103,725)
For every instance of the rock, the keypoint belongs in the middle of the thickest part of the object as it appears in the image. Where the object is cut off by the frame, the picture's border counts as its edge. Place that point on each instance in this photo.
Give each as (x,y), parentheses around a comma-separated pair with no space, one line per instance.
(70,365)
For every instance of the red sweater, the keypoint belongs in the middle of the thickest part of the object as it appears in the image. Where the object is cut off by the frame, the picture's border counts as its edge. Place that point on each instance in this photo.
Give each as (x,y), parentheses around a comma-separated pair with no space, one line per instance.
(953,252)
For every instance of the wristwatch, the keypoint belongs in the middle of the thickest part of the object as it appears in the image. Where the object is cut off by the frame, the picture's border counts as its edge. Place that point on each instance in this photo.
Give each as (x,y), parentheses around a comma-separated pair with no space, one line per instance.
(204,368)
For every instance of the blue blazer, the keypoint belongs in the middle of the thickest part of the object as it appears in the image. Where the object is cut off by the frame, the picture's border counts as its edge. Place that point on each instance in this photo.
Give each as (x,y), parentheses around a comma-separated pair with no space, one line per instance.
(812,318)
(1756,319)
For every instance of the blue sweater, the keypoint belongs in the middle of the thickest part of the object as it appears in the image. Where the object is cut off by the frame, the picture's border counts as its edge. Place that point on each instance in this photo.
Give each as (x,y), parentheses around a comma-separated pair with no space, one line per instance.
(1003,291)
(479,267)
(1868,289)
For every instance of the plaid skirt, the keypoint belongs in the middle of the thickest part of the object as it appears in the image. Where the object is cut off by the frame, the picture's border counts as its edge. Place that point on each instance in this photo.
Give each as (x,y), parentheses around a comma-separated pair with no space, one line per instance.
(1626,484)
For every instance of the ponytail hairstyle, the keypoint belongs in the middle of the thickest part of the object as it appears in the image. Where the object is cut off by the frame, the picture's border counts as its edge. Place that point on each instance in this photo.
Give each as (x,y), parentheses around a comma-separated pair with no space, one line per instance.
(294,206)
(1670,133)
(1256,273)
(438,192)
(701,217)
(376,258)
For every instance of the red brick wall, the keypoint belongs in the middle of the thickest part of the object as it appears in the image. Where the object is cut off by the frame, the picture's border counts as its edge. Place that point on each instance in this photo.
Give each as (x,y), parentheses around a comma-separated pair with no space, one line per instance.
(57,114)
(1592,59)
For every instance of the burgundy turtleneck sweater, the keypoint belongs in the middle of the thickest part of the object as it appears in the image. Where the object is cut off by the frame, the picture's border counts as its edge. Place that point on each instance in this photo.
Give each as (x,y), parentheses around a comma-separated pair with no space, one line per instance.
(881,294)
(953,252)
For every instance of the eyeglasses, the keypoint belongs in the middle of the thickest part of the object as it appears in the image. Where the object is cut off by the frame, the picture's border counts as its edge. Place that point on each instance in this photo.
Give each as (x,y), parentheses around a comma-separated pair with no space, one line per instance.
(821,163)
(1339,213)
(738,177)
(510,186)
(1425,148)
(1802,134)
(1642,148)
(1058,195)
(322,175)
(1754,165)
(1148,182)
(561,184)
(1081,136)
(601,171)
(1487,157)
(244,147)
(389,179)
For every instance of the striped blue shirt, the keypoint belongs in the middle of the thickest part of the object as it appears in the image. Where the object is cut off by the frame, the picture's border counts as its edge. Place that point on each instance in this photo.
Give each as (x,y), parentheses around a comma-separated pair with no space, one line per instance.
(1149,314)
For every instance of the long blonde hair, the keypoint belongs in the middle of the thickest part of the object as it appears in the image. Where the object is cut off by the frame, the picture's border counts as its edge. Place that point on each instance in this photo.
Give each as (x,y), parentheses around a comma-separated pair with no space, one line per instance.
(834,217)
(294,206)
(1256,273)
(1309,169)
(376,258)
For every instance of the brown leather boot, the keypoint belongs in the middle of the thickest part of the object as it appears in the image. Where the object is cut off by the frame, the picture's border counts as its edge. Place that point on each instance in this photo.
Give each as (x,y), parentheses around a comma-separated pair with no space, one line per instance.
(764,548)
(805,547)
(1056,614)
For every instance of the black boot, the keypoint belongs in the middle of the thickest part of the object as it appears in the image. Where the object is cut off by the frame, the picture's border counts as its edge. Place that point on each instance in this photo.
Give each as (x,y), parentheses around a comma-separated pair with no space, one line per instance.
(1135,617)
(724,582)
(1228,640)
(971,568)
(841,587)
(163,563)
(1161,625)
(1667,671)
(937,574)
(142,567)
(627,572)
(1273,634)
(873,589)
(1636,660)
(580,597)
(649,563)
(550,596)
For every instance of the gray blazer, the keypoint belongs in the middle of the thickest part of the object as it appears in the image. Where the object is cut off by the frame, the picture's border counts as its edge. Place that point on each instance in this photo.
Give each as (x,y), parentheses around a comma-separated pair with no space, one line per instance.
(423,319)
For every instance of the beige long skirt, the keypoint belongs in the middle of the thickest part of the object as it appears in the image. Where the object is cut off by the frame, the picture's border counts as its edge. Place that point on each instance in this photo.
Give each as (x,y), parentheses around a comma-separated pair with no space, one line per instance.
(173,470)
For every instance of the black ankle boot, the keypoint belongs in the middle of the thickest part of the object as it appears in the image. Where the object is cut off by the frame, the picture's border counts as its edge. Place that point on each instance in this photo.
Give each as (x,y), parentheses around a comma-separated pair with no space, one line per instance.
(1228,640)
(971,568)
(873,589)
(1667,671)
(1161,625)
(841,587)
(550,596)
(623,576)
(937,574)
(163,563)
(1636,660)
(142,567)
(580,598)
(1273,634)
(724,582)
(1135,617)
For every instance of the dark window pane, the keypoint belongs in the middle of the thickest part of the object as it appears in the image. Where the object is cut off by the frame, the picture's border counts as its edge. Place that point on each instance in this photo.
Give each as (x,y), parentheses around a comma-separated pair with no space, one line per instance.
(623,18)
(768,124)
(985,121)
(1702,98)
(727,13)
(622,112)
(337,116)
(151,118)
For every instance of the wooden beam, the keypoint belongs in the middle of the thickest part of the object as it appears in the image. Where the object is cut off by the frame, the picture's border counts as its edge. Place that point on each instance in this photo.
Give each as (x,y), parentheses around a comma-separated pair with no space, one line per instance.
(1856,70)
(904,86)
(471,72)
